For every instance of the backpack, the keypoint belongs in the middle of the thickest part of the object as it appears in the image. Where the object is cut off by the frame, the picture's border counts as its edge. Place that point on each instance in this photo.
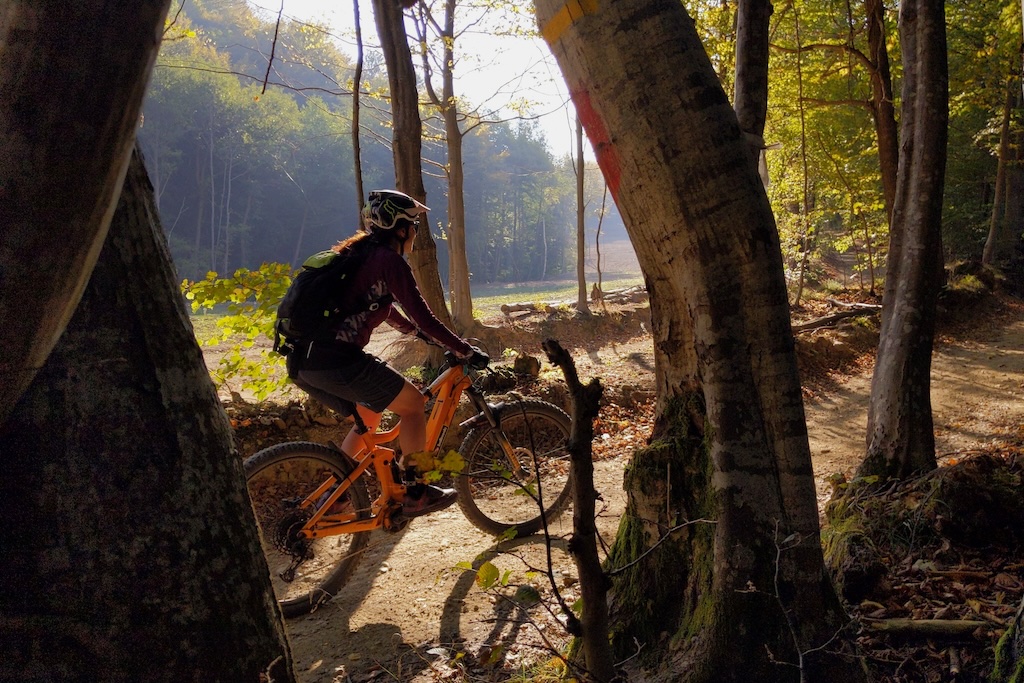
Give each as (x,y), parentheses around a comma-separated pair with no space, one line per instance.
(312,305)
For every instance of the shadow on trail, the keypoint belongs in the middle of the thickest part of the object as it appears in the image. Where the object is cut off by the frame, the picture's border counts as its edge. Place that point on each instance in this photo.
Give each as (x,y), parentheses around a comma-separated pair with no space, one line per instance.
(508,614)
(330,626)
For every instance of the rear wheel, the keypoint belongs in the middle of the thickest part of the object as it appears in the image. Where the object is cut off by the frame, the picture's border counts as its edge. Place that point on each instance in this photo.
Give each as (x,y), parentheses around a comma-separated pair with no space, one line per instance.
(497,496)
(305,572)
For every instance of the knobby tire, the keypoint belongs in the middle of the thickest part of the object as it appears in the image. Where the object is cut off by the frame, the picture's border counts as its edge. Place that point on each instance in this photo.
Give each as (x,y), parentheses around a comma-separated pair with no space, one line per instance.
(278,476)
(499,501)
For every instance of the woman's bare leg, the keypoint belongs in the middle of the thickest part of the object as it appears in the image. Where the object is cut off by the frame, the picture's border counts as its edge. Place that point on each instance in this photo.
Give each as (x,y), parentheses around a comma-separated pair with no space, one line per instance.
(409,405)
(353,443)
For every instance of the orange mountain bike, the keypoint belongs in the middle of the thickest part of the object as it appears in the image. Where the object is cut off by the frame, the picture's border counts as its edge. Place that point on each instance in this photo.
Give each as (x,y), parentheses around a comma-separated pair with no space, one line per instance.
(313,503)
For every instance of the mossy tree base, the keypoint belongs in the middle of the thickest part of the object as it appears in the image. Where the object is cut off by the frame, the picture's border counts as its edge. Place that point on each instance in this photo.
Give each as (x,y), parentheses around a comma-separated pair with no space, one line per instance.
(1010,652)
(678,601)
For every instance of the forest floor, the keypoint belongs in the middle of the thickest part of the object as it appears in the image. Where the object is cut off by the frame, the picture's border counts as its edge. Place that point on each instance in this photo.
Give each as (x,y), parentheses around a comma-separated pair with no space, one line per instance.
(410,614)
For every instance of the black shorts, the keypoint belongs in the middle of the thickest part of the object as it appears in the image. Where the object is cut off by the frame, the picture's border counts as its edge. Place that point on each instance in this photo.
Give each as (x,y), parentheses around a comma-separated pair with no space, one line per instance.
(328,373)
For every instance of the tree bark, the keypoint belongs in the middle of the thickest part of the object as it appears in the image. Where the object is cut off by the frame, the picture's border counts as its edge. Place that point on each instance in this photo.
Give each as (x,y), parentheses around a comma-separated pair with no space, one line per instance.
(901,439)
(751,90)
(357,87)
(458,276)
(582,303)
(130,547)
(73,76)
(728,599)
(407,147)
(883,109)
(458,264)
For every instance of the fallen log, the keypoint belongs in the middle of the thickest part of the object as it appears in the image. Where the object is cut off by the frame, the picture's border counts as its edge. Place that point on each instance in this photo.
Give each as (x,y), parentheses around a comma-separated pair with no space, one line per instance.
(926,628)
(532,307)
(854,304)
(628,295)
(829,320)
(634,294)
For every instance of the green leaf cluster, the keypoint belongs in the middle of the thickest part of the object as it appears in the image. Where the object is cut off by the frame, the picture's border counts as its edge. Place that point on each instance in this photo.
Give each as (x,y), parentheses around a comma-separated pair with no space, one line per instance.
(488,575)
(246,304)
(825,184)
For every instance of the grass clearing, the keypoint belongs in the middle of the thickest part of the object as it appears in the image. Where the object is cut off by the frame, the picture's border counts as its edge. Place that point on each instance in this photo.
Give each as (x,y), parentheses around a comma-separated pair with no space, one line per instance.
(487,299)
(490,298)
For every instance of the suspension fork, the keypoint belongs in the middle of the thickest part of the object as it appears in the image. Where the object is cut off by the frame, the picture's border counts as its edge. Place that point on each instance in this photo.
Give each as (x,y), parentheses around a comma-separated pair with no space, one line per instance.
(485,411)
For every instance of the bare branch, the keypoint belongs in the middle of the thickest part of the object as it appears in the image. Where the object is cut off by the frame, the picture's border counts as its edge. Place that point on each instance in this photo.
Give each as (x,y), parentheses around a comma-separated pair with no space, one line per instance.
(273,46)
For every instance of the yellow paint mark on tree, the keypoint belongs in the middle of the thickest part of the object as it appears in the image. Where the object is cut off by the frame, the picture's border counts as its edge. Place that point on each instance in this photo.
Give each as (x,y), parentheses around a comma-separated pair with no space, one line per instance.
(571,12)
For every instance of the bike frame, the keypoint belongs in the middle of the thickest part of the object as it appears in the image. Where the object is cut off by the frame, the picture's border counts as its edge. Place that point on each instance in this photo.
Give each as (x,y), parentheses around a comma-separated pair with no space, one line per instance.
(446,391)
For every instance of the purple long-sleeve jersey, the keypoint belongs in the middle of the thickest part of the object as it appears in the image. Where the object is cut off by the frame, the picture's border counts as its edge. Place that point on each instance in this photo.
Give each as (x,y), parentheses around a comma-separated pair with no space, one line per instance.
(383,272)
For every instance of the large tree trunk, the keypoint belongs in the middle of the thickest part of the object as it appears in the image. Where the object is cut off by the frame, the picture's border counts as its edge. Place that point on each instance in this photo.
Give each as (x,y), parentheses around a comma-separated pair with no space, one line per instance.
(733,597)
(901,439)
(130,547)
(407,147)
(72,76)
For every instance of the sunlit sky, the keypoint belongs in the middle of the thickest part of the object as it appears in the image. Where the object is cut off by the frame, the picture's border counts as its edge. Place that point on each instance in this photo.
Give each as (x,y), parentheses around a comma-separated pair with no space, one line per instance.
(491,71)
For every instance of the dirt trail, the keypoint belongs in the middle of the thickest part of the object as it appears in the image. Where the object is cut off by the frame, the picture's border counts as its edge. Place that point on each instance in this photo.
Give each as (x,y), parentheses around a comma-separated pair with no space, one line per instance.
(977,394)
(408,612)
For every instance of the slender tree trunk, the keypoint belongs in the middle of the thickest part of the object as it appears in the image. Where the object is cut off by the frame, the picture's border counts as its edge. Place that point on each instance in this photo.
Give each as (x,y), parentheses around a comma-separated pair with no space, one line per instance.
(407,147)
(130,547)
(544,244)
(751,90)
(458,265)
(72,75)
(996,233)
(729,598)
(582,304)
(244,226)
(597,236)
(462,297)
(901,439)
(871,254)
(357,86)
(226,228)
(197,243)
(805,214)
(883,109)
(1013,214)
(213,198)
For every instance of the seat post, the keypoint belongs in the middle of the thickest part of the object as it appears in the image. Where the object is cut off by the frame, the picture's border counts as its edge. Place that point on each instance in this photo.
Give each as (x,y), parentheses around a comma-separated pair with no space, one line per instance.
(360,426)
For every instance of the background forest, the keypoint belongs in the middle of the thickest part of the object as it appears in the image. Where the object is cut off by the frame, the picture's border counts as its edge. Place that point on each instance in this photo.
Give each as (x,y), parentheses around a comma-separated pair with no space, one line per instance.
(246,174)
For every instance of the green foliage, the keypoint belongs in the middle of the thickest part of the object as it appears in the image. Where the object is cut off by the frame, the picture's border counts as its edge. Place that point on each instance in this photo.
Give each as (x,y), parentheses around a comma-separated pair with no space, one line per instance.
(488,576)
(248,300)
(968,283)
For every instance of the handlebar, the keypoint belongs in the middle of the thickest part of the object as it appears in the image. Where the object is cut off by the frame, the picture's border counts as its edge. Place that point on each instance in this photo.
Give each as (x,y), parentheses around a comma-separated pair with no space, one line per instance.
(451,359)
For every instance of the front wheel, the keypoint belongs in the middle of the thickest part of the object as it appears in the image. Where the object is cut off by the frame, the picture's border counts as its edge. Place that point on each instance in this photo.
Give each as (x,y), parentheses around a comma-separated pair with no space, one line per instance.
(281,480)
(498,495)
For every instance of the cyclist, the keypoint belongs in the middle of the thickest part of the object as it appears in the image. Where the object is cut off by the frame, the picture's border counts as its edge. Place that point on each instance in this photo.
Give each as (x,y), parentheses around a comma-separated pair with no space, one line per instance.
(342,369)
